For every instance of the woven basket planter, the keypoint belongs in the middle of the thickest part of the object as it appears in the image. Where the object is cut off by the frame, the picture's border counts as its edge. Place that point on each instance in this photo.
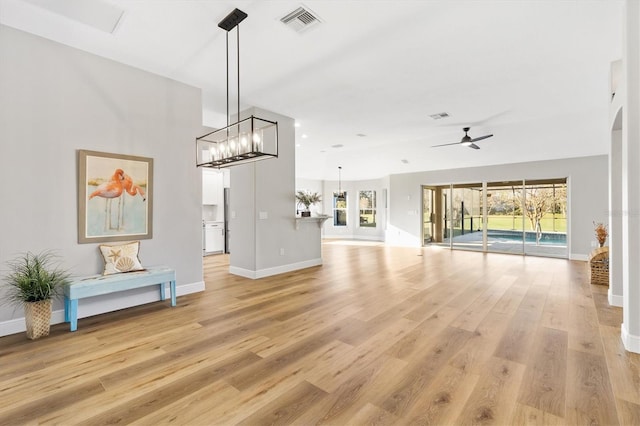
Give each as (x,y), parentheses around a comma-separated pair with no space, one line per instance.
(37,315)
(599,266)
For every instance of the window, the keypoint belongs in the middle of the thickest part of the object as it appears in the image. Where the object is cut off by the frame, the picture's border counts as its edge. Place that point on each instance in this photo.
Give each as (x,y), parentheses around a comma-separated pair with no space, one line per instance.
(367,206)
(339,209)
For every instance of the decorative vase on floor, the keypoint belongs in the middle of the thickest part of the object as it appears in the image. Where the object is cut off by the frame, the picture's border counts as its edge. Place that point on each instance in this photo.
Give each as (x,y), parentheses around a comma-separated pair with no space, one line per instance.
(32,282)
(37,316)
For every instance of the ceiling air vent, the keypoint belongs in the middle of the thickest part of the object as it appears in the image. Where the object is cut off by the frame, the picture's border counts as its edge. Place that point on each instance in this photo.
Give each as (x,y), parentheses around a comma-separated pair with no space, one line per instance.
(300,20)
(439,116)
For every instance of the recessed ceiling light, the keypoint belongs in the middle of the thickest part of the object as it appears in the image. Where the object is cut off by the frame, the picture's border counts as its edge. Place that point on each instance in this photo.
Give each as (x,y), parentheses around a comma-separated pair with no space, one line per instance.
(297,145)
(338,145)
(304,136)
(296,124)
(361,135)
(439,115)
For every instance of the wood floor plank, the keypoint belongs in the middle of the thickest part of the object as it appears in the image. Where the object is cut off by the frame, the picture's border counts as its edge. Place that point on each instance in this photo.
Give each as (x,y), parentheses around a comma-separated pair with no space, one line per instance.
(376,335)
(332,374)
(442,402)
(628,412)
(494,397)
(422,370)
(556,309)
(511,299)
(544,383)
(287,407)
(623,366)
(155,399)
(518,338)
(607,314)
(479,349)
(529,416)
(589,397)
(372,415)
(344,402)
(25,411)
(196,405)
(421,337)
(471,317)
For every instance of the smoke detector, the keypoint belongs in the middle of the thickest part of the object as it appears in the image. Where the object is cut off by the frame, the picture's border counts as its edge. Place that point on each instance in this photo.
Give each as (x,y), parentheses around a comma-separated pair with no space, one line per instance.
(301,19)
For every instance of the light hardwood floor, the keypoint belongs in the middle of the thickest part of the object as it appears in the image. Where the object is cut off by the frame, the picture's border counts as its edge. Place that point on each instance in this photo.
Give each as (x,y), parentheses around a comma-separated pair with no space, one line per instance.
(377,335)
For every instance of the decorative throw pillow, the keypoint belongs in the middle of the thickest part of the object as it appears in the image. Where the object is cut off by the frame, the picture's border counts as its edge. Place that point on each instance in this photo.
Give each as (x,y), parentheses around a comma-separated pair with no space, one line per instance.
(121,258)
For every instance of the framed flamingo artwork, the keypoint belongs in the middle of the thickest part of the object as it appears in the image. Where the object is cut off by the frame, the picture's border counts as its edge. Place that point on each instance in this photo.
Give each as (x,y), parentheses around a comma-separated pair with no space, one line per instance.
(115,197)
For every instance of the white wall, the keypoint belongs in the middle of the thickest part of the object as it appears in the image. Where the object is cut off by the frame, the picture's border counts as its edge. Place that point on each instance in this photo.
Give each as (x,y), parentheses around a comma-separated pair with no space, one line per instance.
(263,247)
(55,100)
(587,188)
(630,330)
(353,229)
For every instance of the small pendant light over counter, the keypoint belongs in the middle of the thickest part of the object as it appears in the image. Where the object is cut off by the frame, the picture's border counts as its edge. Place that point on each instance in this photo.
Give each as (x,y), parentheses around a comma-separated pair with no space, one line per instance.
(340,195)
(246,140)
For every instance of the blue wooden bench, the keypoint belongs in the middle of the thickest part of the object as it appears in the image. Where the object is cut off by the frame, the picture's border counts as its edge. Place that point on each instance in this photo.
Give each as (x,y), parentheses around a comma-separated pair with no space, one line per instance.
(97,285)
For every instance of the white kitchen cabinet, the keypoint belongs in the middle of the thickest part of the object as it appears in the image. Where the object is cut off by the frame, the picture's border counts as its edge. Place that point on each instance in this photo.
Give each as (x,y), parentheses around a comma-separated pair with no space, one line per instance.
(213,237)
(212,187)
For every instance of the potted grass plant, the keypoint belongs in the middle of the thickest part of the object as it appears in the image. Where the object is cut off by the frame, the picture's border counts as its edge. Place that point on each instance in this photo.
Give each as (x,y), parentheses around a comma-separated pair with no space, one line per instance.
(33,281)
(307,199)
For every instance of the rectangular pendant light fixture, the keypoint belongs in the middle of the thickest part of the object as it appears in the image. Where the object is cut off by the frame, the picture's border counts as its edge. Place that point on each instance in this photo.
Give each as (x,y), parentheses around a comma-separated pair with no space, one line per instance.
(247,140)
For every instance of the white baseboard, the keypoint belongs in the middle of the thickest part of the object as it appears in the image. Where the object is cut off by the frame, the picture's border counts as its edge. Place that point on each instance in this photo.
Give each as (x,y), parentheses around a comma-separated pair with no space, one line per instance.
(17,325)
(247,273)
(631,342)
(615,300)
(576,256)
(354,237)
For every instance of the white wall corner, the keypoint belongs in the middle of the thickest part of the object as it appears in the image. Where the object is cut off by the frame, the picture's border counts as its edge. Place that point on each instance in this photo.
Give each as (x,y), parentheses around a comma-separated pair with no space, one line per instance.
(631,342)
(614,299)
(267,272)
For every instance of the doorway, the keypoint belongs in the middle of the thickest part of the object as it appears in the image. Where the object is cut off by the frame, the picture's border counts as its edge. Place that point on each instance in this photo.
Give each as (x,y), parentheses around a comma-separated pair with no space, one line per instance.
(428,215)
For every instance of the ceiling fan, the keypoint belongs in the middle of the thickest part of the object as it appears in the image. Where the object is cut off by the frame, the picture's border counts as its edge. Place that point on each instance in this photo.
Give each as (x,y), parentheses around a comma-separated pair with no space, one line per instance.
(466,140)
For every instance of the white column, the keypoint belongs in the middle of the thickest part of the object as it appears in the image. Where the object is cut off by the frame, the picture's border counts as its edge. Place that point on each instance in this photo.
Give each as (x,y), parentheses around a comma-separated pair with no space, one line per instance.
(616,263)
(264,238)
(631,177)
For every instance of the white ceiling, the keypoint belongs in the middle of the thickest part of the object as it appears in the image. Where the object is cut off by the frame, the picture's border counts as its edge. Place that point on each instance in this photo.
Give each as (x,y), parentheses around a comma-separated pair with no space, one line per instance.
(535,73)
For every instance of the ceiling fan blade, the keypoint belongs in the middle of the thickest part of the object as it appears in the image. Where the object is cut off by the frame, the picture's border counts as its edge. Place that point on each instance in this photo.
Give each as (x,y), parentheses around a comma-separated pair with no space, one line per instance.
(446,144)
(474,146)
(480,138)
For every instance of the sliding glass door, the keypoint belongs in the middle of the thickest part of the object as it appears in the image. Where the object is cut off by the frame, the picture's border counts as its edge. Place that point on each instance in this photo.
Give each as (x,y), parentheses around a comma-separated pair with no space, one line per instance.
(428,215)
(505,224)
(522,217)
(545,209)
(466,216)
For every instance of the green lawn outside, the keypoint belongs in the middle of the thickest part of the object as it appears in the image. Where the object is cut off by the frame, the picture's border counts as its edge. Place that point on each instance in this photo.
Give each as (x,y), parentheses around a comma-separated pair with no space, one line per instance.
(506,222)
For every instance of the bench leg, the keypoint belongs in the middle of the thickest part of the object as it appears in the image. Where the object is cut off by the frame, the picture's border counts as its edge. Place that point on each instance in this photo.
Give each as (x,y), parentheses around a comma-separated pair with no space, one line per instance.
(73,314)
(173,293)
(162,295)
(67,306)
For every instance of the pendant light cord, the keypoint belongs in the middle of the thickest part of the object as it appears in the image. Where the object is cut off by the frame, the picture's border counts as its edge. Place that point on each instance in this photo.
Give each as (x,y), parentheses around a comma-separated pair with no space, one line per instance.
(238,50)
(228,117)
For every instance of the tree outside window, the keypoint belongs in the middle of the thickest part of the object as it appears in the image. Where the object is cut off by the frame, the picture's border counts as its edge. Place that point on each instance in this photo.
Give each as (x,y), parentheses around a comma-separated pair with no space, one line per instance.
(367,209)
(340,209)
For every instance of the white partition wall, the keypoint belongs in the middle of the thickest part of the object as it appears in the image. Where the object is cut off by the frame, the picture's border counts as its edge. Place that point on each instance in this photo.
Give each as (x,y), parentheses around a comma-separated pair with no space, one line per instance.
(264,238)
(631,177)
